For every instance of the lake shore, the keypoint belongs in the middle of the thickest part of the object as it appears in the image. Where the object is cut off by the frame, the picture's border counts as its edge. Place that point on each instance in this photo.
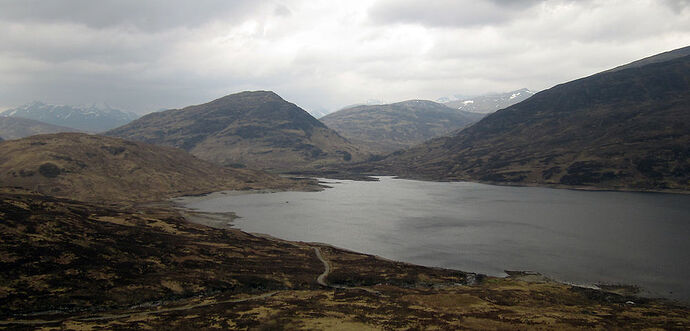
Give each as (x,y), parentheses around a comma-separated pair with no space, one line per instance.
(182,275)
(226,221)
(298,222)
(371,176)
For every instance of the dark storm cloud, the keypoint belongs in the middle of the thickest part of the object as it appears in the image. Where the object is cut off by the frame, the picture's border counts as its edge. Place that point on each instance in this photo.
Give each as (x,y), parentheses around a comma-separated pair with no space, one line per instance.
(149,15)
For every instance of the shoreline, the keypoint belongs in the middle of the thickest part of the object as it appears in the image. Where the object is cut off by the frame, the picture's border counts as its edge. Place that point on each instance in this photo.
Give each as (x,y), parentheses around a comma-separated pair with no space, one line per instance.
(366,176)
(551,186)
(228,218)
(181,275)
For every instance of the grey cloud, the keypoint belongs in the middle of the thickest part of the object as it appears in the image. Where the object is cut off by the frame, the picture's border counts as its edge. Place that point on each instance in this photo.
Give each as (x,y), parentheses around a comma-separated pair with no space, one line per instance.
(147,55)
(678,5)
(516,3)
(460,13)
(149,15)
(68,43)
(282,10)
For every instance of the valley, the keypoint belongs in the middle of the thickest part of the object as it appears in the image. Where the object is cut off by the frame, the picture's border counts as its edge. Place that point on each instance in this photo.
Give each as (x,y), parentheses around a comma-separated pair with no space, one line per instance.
(210,216)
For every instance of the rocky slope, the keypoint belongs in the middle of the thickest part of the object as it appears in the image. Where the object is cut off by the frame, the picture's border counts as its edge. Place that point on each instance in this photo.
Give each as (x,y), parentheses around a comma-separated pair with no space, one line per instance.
(490,103)
(254,129)
(97,168)
(84,118)
(16,127)
(387,128)
(624,129)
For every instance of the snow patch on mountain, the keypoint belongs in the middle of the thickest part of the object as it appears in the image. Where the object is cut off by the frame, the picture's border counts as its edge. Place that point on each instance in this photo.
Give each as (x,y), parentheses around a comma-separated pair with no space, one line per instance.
(490,103)
(90,118)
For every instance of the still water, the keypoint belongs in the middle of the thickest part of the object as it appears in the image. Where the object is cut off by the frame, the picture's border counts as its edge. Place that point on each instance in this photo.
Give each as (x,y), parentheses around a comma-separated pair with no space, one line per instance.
(640,239)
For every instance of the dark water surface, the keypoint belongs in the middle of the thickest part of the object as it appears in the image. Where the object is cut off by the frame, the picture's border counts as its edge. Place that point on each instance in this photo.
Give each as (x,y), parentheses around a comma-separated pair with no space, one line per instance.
(581,237)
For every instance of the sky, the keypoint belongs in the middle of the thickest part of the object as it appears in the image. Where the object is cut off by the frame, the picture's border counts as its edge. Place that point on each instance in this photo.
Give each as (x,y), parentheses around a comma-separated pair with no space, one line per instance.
(322,55)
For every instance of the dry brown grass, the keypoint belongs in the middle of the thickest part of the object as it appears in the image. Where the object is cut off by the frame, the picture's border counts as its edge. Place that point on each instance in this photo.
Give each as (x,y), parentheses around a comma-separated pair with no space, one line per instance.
(97,168)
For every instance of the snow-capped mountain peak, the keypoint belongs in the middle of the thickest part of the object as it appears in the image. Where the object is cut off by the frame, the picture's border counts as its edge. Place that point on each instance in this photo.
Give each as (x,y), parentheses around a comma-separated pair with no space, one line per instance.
(93,118)
(490,103)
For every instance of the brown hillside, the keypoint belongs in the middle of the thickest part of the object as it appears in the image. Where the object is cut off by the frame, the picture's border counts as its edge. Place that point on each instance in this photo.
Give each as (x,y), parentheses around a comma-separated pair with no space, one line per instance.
(92,167)
(387,128)
(627,129)
(16,127)
(254,129)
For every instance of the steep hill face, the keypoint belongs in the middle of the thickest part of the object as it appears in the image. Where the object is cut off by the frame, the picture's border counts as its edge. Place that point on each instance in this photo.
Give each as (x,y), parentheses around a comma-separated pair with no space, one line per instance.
(662,57)
(257,129)
(387,128)
(625,129)
(16,127)
(96,168)
(490,103)
(84,118)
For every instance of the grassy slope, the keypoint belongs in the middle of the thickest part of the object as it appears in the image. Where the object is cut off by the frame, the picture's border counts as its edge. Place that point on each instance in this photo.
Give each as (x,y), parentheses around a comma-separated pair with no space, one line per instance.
(256,129)
(97,168)
(627,129)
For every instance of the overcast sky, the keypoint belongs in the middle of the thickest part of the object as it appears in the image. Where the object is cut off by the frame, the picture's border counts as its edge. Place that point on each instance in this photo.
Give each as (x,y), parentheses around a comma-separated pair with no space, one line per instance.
(322,55)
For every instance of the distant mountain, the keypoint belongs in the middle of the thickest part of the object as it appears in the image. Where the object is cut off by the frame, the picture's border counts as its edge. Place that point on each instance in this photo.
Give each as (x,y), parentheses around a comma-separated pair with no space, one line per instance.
(85,118)
(623,129)
(318,113)
(255,129)
(97,168)
(387,128)
(17,127)
(489,103)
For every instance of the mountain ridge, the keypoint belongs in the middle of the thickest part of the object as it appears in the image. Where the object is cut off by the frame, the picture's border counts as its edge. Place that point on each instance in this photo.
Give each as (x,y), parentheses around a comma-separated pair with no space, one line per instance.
(661,57)
(390,127)
(625,129)
(84,118)
(258,129)
(489,103)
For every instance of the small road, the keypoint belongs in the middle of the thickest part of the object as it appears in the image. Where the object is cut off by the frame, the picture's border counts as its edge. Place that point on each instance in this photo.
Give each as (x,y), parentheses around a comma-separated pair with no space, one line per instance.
(327,270)
(321,279)
(327,266)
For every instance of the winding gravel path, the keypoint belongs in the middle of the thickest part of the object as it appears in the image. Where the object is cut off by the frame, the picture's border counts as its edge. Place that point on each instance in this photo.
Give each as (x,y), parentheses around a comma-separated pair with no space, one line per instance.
(327,270)
(321,279)
(327,266)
